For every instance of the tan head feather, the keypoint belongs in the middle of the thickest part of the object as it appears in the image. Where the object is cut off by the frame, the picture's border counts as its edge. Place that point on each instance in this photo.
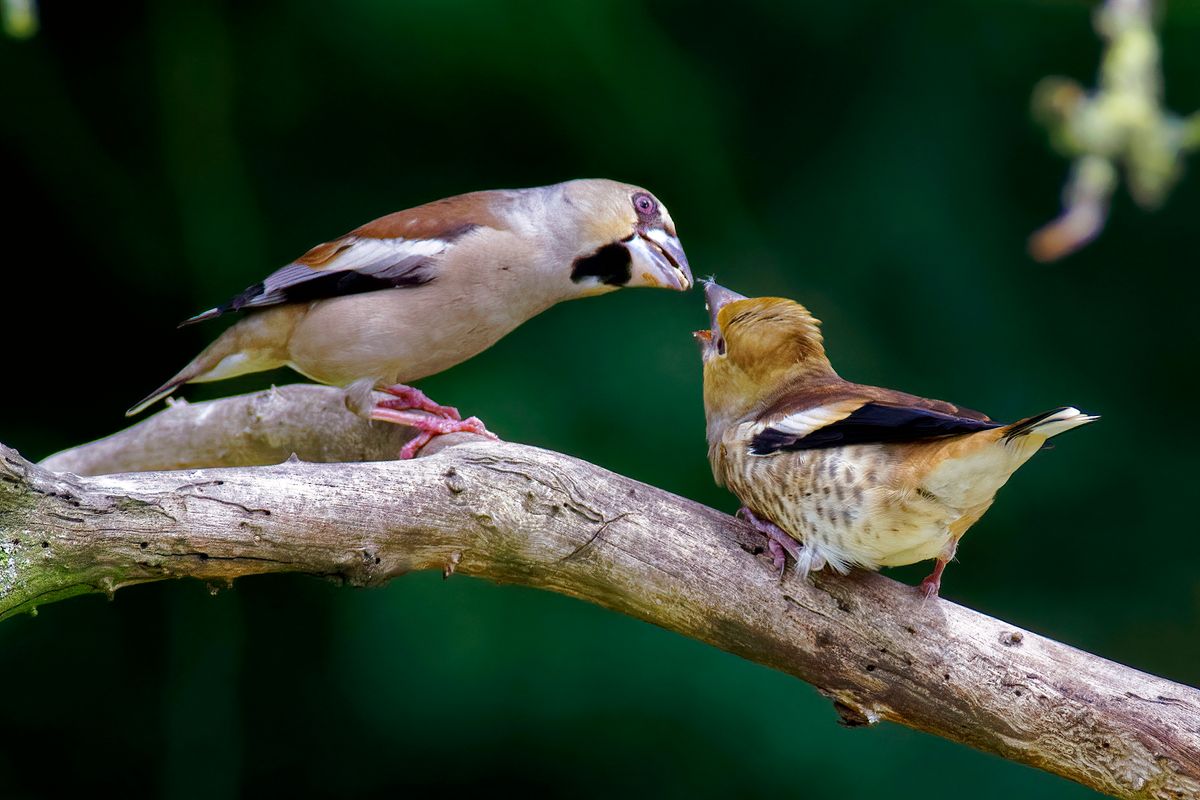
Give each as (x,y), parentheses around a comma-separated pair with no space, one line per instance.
(759,346)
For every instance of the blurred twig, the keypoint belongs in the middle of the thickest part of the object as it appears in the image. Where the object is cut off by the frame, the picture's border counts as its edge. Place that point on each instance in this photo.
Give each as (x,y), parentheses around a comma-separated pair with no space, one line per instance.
(19,17)
(522,515)
(1122,125)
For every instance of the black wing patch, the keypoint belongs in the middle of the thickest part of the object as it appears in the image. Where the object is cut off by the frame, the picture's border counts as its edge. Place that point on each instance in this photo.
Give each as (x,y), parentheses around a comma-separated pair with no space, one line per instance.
(298,283)
(872,424)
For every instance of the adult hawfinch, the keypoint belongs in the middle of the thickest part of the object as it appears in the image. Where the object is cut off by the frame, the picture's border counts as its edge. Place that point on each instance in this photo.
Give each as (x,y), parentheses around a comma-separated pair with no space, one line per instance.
(418,291)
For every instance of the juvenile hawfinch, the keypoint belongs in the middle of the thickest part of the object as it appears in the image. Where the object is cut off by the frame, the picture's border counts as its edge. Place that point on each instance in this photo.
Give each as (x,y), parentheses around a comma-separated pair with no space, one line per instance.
(857,475)
(418,291)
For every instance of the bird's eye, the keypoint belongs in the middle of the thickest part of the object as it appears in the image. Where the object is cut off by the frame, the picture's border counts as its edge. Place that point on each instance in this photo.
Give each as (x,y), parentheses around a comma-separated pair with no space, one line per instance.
(721,346)
(645,205)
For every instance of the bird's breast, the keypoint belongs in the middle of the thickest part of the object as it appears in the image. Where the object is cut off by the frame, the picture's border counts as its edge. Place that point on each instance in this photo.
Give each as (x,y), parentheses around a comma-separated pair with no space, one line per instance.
(853,505)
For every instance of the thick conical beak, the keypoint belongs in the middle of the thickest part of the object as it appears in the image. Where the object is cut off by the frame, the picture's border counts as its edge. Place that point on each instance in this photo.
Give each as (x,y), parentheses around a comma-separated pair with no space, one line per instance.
(659,260)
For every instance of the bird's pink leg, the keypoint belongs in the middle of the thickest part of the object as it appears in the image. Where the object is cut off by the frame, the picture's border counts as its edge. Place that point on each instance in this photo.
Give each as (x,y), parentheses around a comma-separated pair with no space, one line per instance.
(406,398)
(932,584)
(778,541)
(411,407)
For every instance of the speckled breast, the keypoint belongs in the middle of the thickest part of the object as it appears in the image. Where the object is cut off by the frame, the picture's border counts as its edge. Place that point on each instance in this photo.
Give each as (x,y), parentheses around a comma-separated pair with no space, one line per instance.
(847,503)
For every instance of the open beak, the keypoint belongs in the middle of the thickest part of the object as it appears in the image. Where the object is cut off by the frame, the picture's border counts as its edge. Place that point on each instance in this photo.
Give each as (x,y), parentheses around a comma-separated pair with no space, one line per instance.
(717,297)
(659,260)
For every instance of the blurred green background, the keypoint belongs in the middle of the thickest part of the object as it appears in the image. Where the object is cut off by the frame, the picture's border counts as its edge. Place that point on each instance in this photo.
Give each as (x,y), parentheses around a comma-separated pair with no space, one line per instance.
(873,159)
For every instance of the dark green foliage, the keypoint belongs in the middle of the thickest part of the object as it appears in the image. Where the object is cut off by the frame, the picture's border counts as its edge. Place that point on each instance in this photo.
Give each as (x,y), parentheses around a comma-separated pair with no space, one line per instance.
(875,160)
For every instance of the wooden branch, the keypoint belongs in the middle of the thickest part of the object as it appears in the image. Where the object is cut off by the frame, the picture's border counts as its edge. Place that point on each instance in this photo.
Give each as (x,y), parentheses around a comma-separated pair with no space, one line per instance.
(518,514)
(311,422)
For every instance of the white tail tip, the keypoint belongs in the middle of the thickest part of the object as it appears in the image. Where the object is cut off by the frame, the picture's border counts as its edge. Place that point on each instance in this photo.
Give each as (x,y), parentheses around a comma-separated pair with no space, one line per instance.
(1052,423)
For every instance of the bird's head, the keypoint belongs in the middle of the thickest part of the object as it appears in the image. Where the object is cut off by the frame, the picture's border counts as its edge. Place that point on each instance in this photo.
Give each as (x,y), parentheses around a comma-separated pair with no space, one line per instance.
(755,347)
(621,236)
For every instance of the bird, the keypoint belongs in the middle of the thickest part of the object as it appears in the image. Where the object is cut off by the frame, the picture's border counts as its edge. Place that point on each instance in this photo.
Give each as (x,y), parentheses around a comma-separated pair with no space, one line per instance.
(418,291)
(841,474)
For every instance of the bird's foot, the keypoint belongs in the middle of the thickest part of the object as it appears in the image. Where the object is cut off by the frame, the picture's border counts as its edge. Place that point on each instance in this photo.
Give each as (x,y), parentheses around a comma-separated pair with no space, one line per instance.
(437,426)
(932,584)
(405,398)
(779,543)
(411,407)
(429,427)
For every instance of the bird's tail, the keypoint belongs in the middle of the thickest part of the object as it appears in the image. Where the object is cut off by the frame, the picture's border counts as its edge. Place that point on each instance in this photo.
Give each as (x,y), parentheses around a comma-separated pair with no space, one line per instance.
(1049,423)
(185,375)
(254,344)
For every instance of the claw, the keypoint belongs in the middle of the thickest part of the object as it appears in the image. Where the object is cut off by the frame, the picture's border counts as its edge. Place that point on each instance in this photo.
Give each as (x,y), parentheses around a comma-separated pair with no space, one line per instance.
(778,558)
(411,407)
(932,583)
(779,543)
(406,397)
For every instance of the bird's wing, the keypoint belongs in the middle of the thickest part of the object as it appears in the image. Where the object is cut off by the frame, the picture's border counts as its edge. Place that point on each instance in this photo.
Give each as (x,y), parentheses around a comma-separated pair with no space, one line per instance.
(850,414)
(397,251)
